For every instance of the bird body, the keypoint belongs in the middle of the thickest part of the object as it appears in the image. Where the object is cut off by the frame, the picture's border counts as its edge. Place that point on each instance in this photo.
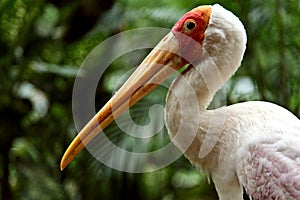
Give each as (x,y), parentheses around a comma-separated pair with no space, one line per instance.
(243,129)
(254,144)
(253,150)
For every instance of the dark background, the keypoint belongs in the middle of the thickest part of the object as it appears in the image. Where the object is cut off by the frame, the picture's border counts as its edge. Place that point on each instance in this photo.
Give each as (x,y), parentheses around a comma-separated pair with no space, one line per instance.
(42,45)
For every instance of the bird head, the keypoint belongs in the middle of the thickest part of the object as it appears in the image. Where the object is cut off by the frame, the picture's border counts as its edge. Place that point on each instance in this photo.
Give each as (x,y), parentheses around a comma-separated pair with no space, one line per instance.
(183,45)
(190,31)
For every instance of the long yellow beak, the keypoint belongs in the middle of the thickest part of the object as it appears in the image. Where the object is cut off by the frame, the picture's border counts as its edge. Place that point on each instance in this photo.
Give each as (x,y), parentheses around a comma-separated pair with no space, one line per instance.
(162,61)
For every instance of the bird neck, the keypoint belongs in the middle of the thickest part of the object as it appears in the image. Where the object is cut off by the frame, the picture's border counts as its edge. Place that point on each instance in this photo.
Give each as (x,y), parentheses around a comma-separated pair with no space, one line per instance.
(223,48)
(199,83)
(193,129)
(191,93)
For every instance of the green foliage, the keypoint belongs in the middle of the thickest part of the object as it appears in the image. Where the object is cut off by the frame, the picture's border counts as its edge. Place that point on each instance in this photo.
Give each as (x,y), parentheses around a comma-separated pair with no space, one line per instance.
(44,42)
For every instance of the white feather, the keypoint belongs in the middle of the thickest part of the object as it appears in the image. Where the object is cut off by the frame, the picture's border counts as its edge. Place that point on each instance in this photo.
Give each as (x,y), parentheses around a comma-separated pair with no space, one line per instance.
(227,139)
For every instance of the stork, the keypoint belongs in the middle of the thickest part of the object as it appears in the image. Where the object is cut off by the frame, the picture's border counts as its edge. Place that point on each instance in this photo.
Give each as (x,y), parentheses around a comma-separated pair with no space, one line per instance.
(253,145)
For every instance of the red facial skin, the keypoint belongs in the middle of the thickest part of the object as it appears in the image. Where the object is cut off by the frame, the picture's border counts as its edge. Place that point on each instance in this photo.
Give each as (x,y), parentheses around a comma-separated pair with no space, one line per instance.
(190,40)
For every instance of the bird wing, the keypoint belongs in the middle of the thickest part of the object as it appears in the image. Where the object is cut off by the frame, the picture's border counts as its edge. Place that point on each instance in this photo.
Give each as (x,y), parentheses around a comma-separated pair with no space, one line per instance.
(270,169)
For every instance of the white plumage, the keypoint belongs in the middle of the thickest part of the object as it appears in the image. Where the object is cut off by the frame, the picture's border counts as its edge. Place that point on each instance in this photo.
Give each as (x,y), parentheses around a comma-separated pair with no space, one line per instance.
(256,144)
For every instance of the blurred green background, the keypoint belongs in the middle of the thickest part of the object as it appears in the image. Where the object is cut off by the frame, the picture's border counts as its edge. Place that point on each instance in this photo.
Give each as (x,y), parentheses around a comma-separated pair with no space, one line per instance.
(44,42)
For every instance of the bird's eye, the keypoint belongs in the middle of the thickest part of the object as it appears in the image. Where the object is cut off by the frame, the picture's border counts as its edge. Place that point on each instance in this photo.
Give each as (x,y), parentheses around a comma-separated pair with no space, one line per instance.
(189,25)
